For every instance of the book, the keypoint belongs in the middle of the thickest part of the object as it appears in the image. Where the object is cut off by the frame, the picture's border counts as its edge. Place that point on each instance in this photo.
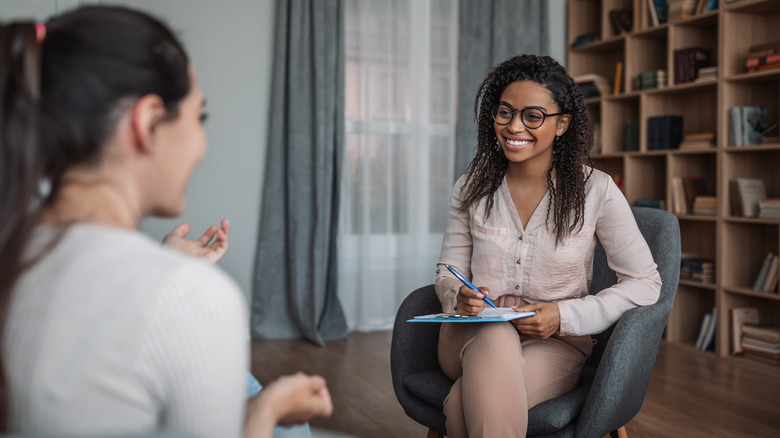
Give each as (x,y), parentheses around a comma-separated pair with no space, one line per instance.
(679,206)
(753,125)
(487,315)
(651,203)
(654,21)
(755,61)
(764,49)
(769,208)
(679,9)
(688,61)
(750,191)
(632,134)
(771,275)
(758,284)
(735,126)
(703,329)
(664,132)
(701,140)
(739,317)
(768,334)
(705,205)
(618,82)
(701,270)
(709,338)
(593,85)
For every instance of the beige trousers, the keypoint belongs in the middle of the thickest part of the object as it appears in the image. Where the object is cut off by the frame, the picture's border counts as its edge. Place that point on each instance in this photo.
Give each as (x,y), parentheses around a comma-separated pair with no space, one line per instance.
(500,374)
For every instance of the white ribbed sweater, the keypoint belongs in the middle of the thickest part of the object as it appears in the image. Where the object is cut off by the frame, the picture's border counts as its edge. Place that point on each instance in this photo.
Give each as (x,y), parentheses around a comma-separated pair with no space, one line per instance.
(112,333)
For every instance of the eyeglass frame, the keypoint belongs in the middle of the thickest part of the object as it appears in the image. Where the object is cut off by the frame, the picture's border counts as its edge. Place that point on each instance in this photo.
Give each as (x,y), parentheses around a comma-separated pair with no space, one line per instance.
(521,110)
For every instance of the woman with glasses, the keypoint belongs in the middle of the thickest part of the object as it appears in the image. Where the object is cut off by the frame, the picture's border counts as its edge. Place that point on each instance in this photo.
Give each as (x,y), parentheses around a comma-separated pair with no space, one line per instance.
(522,226)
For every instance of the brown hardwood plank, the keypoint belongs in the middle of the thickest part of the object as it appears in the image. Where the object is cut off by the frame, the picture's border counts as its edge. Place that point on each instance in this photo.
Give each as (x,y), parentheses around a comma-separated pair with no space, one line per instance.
(691,393)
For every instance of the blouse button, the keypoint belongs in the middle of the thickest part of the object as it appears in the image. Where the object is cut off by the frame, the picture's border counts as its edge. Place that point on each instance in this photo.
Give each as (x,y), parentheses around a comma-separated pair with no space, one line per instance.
(437,271)
(521,237)
(517,287)
(518,262)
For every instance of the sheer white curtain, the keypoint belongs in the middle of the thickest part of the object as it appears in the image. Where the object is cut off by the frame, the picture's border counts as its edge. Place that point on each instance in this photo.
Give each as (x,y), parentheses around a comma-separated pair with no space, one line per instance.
(401,67)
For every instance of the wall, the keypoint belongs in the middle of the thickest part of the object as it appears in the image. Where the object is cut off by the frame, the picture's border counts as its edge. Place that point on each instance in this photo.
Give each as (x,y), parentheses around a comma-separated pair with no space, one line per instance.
(230,43)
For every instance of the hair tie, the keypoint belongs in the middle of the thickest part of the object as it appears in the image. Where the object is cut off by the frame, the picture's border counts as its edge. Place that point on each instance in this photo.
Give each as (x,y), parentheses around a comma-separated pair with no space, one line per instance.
(40,31)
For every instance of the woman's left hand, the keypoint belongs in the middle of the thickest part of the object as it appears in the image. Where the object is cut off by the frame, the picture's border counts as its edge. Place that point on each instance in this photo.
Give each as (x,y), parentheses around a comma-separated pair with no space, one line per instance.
(203,247)
(544,324)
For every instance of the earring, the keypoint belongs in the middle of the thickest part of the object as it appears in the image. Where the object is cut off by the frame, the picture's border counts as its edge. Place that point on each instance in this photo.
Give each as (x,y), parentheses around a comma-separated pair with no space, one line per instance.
(498,146)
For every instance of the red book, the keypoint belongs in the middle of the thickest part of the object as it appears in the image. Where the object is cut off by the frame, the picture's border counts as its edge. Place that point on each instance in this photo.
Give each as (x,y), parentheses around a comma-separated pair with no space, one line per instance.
(755,61)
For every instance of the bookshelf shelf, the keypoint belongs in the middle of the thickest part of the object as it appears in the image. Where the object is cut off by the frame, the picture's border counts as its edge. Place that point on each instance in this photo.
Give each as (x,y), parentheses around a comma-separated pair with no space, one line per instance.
(749,292)
(738,245)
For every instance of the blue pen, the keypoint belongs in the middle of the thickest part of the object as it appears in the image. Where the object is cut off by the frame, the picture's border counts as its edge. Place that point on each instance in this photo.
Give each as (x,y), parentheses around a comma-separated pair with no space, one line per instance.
(468,283)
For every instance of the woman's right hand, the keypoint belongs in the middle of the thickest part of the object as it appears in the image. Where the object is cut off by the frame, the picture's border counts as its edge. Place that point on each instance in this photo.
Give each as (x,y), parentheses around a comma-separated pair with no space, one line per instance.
(289,399)
(470,301)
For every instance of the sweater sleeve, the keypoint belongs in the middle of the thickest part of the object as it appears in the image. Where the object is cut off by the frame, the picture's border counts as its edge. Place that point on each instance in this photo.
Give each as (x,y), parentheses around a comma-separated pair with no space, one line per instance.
(455,250)
(196,352)
(638,281)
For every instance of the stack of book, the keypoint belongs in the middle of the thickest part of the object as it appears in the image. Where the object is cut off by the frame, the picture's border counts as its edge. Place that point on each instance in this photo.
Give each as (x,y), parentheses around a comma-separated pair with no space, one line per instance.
(650,79)
(766,280)
(739,317)
(769,208)
(747,125)
(702,140)
(763,57)
(705,205)
(761,343)
(585,39)
(593,85)
(679,9)
(706,74)
(664,132)
(697,269)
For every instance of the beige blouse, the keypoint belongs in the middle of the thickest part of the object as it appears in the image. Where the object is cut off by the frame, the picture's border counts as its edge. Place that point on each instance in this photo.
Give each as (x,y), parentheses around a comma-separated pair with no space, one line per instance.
(501,254)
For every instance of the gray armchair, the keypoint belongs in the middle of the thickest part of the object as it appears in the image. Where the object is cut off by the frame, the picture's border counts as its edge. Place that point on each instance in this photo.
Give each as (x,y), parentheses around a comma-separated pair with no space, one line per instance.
(615,378)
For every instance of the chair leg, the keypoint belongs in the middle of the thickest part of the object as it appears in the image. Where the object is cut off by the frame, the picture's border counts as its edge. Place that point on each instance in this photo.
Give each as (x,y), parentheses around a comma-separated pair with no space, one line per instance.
(433,434)
(619,433)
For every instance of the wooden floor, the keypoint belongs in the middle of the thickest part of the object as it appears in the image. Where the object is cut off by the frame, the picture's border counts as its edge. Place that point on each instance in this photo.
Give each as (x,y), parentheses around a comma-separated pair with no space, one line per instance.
(691,394)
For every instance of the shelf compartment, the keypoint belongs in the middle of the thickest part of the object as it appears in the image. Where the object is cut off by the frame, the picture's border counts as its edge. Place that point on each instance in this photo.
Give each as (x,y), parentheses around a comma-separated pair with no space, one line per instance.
(730,298)
(754,23)
(700,239)
(616,114)
(613,165)
(701,33)
(752,162)
(744,248)
(645,177)
(696,104)
(690,305)
(652,46)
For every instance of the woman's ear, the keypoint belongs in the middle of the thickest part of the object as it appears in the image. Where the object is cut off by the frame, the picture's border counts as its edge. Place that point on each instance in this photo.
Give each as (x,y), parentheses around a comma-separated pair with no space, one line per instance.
(563,124)
(146,114)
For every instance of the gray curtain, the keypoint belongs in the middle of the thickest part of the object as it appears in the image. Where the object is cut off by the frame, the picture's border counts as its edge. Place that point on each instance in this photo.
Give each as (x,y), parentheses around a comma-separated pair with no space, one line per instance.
(491,31)
(294,293)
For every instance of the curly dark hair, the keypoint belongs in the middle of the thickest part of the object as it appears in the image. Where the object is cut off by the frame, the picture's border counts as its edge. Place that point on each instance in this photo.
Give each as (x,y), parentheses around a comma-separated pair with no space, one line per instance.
(487,169)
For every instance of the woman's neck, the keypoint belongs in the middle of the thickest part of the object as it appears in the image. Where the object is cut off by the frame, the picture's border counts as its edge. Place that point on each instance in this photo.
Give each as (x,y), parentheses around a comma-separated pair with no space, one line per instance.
(91,198)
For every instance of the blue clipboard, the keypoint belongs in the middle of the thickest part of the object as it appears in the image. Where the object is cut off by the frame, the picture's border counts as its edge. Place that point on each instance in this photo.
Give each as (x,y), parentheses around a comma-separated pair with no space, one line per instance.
(488,315)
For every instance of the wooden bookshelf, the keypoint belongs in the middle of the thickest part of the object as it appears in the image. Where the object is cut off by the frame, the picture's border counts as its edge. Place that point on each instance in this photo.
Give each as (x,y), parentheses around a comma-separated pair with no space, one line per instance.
(738,245)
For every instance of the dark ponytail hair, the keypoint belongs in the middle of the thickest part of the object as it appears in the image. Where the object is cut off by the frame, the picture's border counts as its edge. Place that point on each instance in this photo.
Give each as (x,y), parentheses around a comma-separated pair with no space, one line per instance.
(60,100)
(570,150)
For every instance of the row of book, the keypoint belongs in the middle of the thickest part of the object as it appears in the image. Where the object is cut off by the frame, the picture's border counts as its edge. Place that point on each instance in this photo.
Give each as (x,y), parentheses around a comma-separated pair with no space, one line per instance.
(769,208)
(650,79)
(662,11)
(688,63)
(765,56)
(747,125)
(698,269)
(689,195)
(664,132)
(767,278)
(593,85)
(752,340)
(706,339)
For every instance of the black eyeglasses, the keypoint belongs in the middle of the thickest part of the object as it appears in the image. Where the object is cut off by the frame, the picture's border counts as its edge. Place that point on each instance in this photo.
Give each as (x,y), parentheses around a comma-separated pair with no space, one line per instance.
(531,117)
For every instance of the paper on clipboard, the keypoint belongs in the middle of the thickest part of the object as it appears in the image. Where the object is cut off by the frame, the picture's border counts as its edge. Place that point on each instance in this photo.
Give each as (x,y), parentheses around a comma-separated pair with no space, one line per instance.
(489,314)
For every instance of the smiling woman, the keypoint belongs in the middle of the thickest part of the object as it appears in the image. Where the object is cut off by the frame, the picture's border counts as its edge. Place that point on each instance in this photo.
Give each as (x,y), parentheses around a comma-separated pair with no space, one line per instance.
(522,226)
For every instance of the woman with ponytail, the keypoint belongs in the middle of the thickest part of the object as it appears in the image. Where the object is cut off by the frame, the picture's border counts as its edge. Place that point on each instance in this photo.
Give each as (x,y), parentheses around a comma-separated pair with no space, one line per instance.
(105,331)
(522,226)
